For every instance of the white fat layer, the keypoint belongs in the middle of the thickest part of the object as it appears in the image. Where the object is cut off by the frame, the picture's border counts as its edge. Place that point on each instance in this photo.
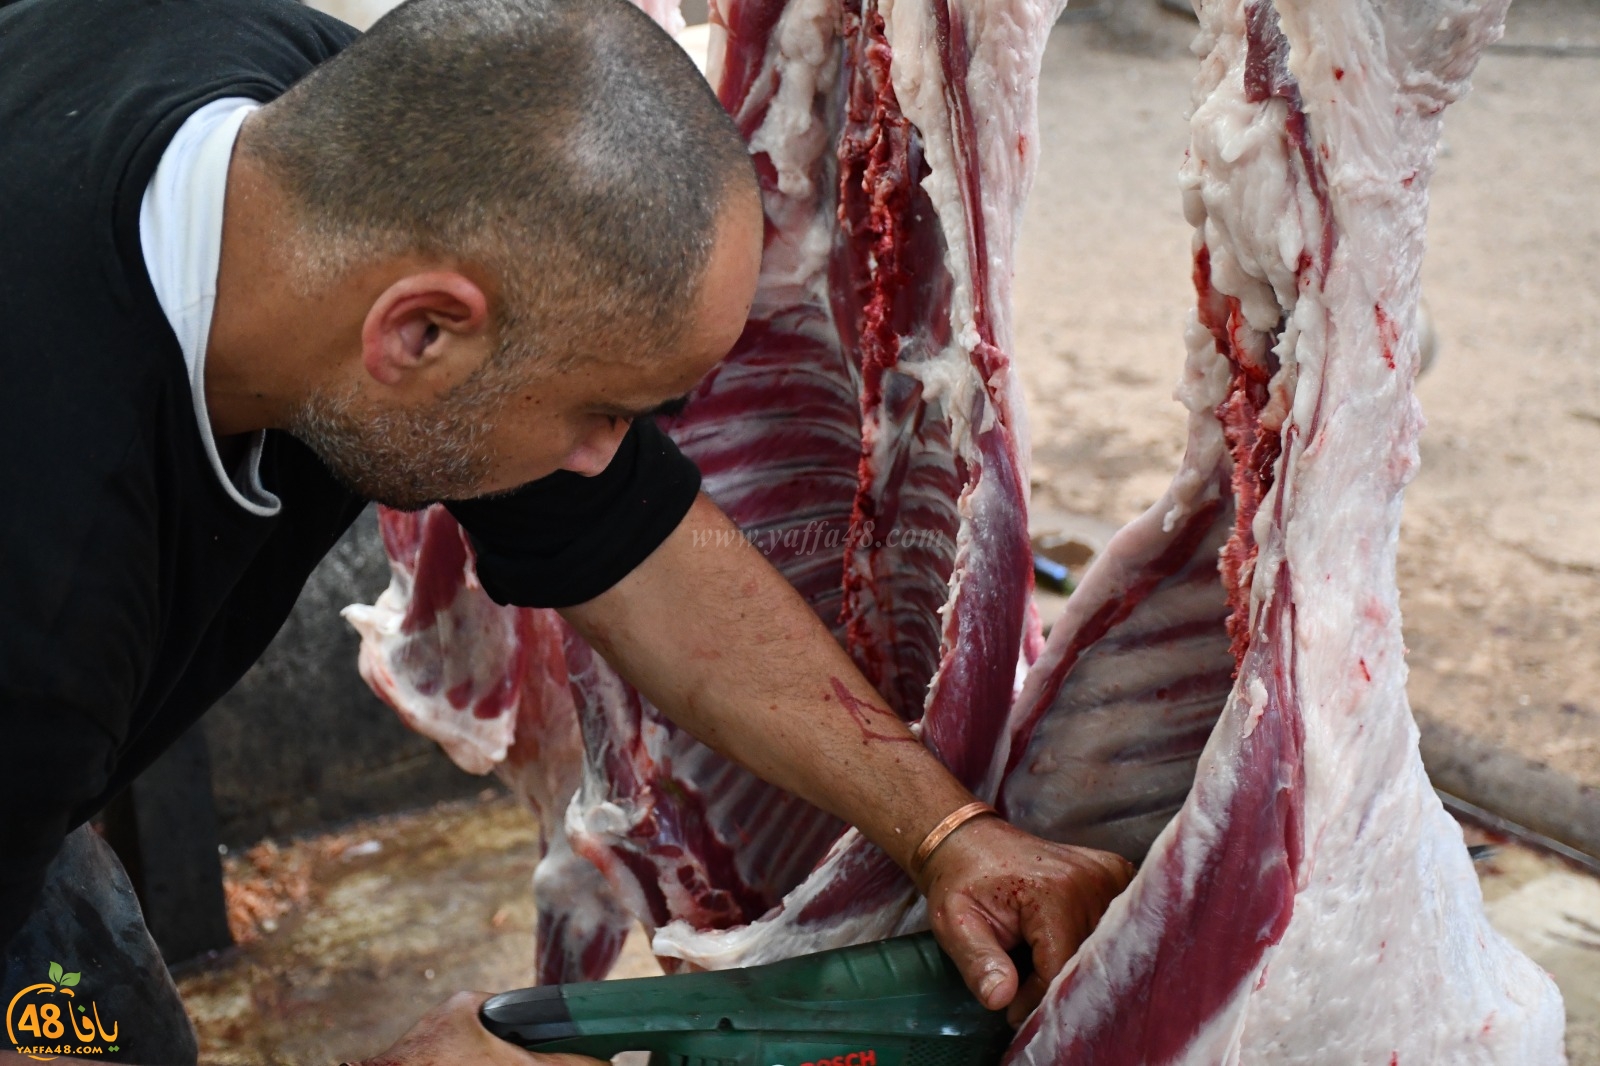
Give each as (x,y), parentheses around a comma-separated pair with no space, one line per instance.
(792,135)
(1281,388)
(568,884)
(1006,41)
(948,377)
(417,691)
(1387,955)
(1203,386)
(592,825)
(803,63)
(1388,952)
(780,935)
(1257,690)
(1217,1043)
(919,84)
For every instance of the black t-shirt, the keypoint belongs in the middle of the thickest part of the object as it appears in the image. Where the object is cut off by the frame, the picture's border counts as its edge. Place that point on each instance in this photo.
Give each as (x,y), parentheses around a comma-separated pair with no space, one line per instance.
(133,590)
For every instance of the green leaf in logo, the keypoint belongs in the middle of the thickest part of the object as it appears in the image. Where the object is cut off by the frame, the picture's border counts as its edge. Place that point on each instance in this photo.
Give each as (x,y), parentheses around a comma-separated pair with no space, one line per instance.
(69,979)
(82,1011)
(55,973)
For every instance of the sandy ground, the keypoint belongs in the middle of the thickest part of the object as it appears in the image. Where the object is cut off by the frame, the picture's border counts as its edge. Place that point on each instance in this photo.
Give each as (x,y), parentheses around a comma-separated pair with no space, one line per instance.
(387,918)
(1500,553)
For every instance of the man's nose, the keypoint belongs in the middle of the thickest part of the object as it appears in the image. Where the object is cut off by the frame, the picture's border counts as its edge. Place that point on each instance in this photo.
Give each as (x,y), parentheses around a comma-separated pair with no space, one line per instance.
(595,451)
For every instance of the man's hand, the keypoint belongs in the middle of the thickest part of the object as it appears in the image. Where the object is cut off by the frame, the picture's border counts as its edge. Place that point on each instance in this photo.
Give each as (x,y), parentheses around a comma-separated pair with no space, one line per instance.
(451,1034)
(991,886)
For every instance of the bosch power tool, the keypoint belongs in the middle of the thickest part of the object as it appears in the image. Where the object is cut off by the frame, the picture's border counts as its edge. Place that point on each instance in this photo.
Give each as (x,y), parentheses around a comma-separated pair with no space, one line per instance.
(897,1002)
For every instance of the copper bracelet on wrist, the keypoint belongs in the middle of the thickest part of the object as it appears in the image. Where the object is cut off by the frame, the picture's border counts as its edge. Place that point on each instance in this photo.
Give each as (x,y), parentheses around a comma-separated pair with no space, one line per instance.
(941,832)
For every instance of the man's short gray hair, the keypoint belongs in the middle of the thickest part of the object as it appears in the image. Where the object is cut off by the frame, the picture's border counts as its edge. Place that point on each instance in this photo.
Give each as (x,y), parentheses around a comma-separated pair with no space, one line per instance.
(569,146)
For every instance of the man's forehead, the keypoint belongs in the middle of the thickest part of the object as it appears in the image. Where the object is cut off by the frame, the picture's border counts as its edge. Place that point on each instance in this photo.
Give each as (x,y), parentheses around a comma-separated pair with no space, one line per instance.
(729,281)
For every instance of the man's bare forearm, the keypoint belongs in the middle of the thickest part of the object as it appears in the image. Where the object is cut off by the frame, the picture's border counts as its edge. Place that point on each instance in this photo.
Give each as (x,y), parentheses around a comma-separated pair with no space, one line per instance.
(714,636)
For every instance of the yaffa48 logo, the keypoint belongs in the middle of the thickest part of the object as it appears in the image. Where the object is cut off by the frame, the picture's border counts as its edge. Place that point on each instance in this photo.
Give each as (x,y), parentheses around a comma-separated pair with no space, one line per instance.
(47,1019)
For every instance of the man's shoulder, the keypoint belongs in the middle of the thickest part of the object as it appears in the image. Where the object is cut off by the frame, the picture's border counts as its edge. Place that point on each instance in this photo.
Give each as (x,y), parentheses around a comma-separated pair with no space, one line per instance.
(94,89)
(173,43)
(180,18)
(93,92)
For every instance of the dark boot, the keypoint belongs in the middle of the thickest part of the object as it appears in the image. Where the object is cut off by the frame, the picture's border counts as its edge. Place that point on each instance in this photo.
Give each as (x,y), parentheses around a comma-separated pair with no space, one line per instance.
(87,922)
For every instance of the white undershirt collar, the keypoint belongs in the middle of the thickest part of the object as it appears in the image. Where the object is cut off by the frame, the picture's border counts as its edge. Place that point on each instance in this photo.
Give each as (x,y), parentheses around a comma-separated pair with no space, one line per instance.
(180,233)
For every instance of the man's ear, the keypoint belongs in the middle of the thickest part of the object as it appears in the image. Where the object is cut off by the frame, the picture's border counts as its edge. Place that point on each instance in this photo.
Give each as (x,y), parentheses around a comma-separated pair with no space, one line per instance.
(410,323)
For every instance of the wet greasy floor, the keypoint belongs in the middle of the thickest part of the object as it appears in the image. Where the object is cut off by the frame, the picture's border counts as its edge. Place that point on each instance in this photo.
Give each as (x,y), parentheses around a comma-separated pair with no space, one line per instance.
(350,936)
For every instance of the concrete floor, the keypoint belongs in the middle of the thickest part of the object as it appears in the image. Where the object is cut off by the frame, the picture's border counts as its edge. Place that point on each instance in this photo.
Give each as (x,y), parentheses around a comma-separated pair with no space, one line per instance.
(349,937)
(1552,912)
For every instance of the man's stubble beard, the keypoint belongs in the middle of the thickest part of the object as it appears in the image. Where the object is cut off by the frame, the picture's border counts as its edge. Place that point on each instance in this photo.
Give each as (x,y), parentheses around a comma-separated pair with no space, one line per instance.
(408,459)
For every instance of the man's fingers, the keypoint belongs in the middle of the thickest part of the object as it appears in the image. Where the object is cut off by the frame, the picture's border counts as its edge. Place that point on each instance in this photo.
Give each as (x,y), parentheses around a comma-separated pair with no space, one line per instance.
(1057,927)
(452,1033)
(1004,886)
(970,941)
(1120,870)
(1028,999)
(464,1006)
(1053,929)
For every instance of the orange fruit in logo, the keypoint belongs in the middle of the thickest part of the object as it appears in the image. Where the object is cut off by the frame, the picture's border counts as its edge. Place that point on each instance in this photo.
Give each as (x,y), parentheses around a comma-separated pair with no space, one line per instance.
(34,1012)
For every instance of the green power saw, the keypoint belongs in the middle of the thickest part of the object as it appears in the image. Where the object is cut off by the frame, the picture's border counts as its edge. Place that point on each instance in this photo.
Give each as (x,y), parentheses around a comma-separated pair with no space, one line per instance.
(897,1002)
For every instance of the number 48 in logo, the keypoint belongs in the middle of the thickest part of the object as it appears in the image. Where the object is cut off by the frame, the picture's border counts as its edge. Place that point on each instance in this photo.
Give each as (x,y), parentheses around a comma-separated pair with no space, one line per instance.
(35,1012)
